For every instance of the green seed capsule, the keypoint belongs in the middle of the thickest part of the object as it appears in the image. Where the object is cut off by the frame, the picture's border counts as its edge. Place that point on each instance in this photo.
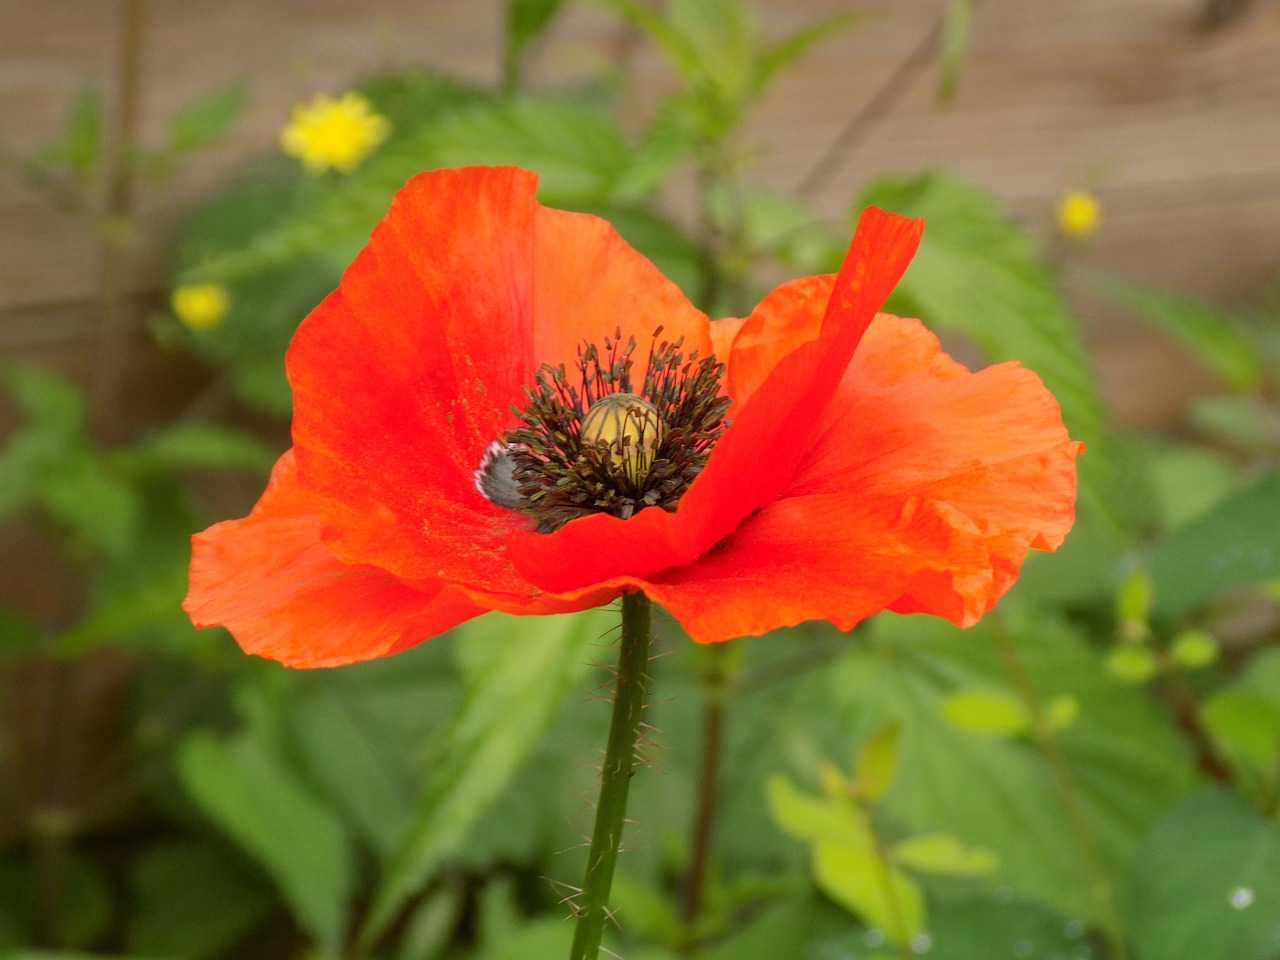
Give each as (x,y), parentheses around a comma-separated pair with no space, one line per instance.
(629,427)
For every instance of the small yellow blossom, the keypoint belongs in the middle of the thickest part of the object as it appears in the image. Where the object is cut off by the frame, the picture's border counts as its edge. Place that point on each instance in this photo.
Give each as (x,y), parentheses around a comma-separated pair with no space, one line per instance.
(1078,213)
(334,134)
(201,306)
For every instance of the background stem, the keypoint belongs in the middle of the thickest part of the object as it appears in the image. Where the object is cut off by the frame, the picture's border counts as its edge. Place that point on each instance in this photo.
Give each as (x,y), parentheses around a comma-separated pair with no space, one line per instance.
(615,776)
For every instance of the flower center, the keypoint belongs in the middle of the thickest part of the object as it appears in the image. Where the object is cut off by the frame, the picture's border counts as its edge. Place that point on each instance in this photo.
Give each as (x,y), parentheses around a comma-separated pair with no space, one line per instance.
(590,443)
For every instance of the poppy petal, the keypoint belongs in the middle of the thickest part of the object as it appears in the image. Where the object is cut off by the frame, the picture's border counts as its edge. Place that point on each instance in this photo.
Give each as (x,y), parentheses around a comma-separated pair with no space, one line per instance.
(590,284)
(760,450)
(283,594)
(820,557)
(464,289)
(404,375)
(988,449)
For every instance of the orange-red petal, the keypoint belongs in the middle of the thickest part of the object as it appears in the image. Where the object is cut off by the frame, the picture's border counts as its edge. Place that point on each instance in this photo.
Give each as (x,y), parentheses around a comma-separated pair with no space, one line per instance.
(406,374)
(761,449)
(283,594)
(922,492)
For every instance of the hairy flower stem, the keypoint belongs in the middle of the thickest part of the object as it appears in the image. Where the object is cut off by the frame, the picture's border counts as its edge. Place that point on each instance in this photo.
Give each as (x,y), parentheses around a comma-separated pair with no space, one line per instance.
(1042,731)
(615,775)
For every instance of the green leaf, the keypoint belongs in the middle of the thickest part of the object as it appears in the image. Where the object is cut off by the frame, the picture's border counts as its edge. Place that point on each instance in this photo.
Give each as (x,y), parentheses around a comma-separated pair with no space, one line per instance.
(253,795)
(576,148)
(776,934)
(1132,663)
(878,760)
(991,713)
(979,274)
(1136,598)
(518,671)
(879,893)
(335,742)
(778,55)
(1232,546)
(191,899)
(207,118)
(526,19)
(203,446)
(995,928)
(955,44)
(541,940)
(1246,716)
(817,819)
(80,147)
(941,853)
(1188,482)
(1128,761)
(1243,421)
(1248,723)
(1215,339)
(1194,649)
(1206,883)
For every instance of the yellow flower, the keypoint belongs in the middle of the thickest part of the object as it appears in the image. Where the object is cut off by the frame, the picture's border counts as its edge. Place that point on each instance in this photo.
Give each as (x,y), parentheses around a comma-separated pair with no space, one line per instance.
(201,306)
(334,134)
(1078,213)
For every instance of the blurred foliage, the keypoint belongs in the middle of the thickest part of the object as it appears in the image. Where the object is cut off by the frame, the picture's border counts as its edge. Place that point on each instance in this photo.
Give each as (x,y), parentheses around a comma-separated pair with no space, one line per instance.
(1092,771)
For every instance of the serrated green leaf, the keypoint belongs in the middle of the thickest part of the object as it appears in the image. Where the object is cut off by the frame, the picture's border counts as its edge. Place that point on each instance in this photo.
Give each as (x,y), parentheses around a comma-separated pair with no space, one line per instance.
(529,666)
(977,273)
(1206,883)
(207,118)
(878,760)
(941,853)
(988,712)
(576,148)
(1232,546)
(254,796)
(1215,339)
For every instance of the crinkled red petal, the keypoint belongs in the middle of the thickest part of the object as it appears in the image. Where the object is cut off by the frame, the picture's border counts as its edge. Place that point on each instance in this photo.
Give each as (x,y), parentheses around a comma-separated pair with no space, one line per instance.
(283,594)
(405,374)
(760,450)
(923,490)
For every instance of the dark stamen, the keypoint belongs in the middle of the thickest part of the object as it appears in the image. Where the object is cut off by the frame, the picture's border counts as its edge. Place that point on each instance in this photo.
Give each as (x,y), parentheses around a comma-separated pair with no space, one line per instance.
(644,450)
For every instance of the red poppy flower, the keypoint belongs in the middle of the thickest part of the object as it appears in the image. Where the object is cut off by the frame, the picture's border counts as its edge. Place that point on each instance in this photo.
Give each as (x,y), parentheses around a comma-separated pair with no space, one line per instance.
(858,468)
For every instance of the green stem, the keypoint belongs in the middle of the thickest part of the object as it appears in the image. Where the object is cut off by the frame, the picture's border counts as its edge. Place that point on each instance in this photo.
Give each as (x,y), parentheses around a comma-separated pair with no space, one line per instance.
(1047,741)
(615,776)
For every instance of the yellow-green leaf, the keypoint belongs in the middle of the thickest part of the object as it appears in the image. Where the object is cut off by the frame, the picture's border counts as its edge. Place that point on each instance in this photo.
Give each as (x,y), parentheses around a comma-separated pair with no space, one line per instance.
(988,712)
(877,765)
(880,893)
(944,853)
